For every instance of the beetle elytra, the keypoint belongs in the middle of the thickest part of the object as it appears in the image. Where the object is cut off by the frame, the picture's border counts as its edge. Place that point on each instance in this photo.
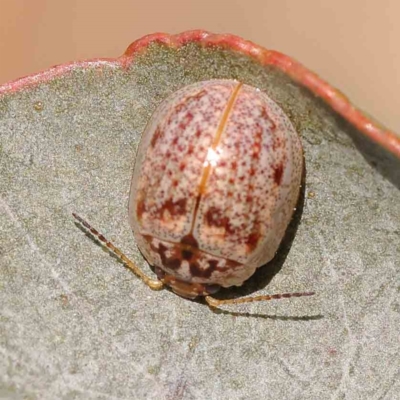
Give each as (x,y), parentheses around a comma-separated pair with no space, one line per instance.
(216,179)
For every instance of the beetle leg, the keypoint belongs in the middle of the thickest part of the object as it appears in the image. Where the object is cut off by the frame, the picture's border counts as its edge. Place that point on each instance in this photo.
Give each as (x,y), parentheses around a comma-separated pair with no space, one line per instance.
(151,283)
(213,302)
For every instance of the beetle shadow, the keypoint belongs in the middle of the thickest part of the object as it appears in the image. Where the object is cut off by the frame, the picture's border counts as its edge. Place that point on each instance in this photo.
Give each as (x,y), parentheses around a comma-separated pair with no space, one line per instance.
(264,274)
(267,316)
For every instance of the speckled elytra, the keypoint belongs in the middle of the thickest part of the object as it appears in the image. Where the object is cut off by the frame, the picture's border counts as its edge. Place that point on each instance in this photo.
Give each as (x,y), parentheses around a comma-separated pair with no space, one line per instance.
(216,180)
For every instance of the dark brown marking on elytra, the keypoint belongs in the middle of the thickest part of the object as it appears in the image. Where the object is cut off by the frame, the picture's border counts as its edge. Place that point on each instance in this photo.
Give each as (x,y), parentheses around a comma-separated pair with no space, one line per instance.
(140,209)
(214,217)
(148,239)
(278,173)
(190,240)
(212,264)
(187,254)
(198,272)
(188,251)
(175,208)
(156,136)
(173,263)
(162,248)
(252,241)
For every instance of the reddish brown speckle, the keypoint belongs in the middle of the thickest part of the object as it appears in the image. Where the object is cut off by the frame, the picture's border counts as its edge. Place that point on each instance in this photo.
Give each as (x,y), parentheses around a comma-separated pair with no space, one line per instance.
(190,150)
(156,137)
(187,118)
(265,115)
(256,150)
(278,172)
(277,143)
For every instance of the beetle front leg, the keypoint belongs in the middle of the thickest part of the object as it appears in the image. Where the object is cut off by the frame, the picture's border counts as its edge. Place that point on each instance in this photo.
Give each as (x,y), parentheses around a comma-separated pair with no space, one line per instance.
(151,283)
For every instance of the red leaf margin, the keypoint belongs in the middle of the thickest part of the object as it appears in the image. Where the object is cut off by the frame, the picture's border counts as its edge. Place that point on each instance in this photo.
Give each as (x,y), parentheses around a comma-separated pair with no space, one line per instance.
(337,100)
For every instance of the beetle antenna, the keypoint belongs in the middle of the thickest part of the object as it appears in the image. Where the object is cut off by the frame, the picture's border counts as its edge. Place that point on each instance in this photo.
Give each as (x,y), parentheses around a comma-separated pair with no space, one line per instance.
(213,302)
(151,283)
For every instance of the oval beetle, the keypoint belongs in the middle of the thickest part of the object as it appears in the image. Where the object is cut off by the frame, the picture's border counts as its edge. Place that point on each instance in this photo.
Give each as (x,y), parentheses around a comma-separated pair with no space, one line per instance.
(215,184)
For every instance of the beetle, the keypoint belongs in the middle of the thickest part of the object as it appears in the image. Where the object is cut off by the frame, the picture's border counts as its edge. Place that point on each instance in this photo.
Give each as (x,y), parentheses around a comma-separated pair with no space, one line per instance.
(216,180)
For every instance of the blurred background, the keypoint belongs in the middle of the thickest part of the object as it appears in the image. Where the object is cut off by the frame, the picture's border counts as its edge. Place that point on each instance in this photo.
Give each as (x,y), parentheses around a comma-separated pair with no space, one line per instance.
(354,45)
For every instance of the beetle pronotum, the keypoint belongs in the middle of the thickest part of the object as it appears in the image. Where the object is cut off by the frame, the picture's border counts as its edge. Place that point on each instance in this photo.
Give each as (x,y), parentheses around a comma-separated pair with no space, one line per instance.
(215,183)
